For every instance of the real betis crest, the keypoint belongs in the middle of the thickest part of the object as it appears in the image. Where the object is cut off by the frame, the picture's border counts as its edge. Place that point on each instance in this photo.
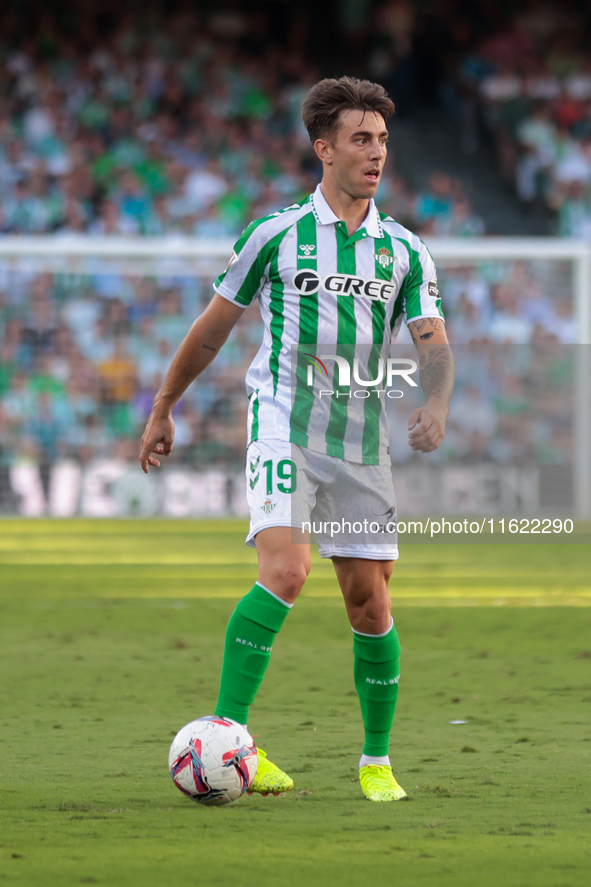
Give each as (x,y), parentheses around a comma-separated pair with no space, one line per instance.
(384,257)
(268,506)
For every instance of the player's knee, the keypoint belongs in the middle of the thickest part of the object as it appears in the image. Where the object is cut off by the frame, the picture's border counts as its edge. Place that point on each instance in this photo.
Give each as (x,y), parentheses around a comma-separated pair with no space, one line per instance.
(376,612)
(287,579)
(372,615)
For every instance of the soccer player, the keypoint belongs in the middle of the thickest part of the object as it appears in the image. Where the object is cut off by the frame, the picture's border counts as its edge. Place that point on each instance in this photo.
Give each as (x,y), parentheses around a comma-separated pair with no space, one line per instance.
(349,251)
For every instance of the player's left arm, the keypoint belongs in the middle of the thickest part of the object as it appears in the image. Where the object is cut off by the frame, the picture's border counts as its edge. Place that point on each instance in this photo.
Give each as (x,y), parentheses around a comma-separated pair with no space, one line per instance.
(436,372)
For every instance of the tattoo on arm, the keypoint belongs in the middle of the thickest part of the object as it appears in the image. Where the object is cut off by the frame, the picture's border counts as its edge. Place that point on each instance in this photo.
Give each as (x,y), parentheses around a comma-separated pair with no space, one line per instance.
(424,328)
(436,363)
(209,348)
(436,372)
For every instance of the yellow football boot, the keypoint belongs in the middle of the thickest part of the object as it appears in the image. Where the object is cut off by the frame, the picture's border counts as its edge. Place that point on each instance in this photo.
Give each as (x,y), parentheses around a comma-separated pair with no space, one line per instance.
(269,779)
(378,784)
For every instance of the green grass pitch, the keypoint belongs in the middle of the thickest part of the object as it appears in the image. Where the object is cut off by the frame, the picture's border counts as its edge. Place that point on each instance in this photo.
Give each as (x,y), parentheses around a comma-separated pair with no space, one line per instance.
(110,640)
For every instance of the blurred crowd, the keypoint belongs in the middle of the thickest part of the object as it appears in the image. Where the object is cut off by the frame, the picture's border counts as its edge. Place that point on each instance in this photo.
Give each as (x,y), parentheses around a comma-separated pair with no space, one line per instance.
(82,356)
(169,123)
(165,126)
(511,405)
(181,122)
(529,82)
(78,370)
(518,303)
(516,76)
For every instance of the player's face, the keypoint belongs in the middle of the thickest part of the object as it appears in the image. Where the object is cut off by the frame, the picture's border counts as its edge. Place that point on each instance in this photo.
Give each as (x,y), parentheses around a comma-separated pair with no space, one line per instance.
(358,153)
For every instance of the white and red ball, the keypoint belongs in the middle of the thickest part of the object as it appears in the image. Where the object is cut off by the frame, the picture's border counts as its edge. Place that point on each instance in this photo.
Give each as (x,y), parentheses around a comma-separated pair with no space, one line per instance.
(213,760)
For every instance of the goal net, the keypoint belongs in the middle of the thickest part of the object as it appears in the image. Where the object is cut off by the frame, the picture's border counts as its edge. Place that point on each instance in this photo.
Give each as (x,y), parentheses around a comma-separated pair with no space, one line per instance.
(89,326)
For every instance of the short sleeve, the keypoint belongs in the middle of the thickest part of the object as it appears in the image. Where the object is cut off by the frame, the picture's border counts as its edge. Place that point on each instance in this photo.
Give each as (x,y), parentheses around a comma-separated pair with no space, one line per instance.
(244,275)
(420,288)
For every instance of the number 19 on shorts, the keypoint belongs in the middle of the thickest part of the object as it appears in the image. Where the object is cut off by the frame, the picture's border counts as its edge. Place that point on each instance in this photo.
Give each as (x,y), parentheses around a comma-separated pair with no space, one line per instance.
(272,478)
(283,473)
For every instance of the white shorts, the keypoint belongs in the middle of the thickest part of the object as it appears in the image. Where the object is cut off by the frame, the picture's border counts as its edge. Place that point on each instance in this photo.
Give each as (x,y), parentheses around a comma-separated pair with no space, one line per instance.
(349,507)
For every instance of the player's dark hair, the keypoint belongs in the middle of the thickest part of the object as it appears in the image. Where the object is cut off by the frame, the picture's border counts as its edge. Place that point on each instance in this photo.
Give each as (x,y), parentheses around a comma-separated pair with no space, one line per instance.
(326,100)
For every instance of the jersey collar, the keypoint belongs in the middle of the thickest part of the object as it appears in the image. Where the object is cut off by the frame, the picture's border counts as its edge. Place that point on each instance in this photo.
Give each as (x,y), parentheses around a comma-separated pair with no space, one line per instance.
(325,216)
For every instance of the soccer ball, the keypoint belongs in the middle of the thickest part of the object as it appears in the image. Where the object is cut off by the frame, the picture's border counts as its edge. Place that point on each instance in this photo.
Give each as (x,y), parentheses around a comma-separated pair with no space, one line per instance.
(213,760)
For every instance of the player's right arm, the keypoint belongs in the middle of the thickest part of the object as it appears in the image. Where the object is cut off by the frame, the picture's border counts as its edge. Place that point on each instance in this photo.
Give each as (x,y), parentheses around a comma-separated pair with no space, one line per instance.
(235,289)
(195,353)
(427,327)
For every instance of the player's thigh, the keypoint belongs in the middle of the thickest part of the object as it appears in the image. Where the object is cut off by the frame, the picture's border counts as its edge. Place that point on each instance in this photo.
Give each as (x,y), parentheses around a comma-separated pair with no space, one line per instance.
(355,514)
(365,587)
(280,495)
(278,492)
(283,564)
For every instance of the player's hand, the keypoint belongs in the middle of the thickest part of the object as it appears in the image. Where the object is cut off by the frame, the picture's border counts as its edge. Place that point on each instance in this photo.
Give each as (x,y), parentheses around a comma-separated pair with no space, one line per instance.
(427,426)
(157,438)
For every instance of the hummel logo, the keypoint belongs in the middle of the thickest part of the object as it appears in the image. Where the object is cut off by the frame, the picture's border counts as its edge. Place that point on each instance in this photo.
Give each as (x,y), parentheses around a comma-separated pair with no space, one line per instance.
(307,250)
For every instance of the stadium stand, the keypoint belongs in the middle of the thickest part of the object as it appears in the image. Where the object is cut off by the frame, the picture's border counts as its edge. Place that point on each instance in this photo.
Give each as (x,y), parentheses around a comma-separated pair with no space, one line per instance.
(177,125)
(80,361)
(529,82)
(167,125)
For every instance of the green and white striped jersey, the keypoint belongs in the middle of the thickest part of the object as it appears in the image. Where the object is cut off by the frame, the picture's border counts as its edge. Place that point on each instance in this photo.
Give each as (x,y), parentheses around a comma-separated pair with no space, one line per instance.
(319,286)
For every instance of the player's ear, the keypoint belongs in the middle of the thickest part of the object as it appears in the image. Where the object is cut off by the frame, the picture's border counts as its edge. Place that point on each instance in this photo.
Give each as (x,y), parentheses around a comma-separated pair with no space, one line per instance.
(323,150)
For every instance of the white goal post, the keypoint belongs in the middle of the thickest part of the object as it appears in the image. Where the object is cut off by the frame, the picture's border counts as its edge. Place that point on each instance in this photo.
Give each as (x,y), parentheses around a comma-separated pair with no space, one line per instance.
(205,258)
(148,254)
(577,252)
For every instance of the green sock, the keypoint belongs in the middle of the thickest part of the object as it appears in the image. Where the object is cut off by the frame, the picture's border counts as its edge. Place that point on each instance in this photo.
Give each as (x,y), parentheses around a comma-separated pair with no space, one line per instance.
(377,670)
(249,641)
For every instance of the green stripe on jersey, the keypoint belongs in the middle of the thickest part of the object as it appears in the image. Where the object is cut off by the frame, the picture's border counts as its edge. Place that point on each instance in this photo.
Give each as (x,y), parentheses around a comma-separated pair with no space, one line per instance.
(276,309)
(373,405)
(346,335)
(254,431)
(308,332)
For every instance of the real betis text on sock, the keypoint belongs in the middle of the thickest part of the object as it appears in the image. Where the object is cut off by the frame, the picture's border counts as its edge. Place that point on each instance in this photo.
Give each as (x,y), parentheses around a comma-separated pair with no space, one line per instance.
(249,640)
(377,672)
